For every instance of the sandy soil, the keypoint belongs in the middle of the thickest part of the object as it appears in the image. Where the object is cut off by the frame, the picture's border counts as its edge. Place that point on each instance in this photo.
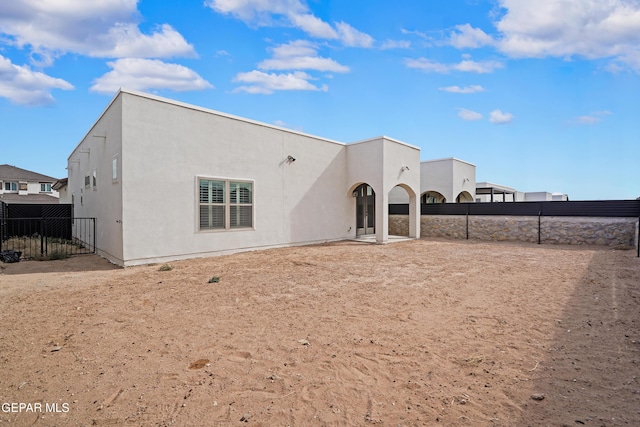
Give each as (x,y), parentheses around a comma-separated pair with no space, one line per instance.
(409,334)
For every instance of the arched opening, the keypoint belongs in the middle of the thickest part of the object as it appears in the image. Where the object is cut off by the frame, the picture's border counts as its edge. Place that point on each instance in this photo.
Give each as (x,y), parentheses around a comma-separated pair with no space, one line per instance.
(464,197)
(399,221)
(431,197)
(365,209)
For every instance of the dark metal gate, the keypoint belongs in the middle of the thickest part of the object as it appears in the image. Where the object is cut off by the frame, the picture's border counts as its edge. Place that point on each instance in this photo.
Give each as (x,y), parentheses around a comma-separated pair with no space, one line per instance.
(45,231)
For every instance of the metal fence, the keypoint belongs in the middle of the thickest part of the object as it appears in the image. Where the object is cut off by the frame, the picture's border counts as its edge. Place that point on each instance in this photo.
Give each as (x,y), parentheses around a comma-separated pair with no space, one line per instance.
(48,237)
(588,208)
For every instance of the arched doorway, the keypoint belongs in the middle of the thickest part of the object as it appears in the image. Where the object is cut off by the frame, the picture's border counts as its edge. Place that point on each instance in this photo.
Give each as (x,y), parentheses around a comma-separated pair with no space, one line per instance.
(365,210)
(464,197)
(431,197)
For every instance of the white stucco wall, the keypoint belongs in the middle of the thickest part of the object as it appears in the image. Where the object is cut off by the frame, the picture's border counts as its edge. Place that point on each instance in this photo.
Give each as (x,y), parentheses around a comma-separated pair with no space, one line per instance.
(384,163)
(296,202)
(448,177)
(537,196)
(64,196)
(437,175)
(463,179)
(150,212)
(95,153)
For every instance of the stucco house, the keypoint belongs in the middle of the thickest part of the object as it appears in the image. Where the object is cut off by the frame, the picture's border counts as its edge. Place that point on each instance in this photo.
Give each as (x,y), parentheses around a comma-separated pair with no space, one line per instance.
(167,180)
(19,185)
(487,192)
(447,180)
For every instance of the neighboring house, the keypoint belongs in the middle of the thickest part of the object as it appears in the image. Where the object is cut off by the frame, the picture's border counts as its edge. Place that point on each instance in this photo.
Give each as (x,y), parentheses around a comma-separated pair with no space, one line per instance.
(168,180)
(487,192)
(448,180)
(490,192)
(23,186)
(61,187)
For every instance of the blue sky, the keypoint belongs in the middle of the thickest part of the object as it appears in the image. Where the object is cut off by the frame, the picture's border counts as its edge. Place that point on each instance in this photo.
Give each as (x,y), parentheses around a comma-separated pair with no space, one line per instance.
(540,96)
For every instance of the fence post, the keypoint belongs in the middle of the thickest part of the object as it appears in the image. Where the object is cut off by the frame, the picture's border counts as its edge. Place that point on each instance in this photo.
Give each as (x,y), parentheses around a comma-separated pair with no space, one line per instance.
(94,234)
(539,215)
(638,243)
(467,222)
(41,236)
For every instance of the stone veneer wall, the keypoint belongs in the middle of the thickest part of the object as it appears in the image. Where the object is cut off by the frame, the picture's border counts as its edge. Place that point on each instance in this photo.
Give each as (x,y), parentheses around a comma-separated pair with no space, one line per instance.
(618,232)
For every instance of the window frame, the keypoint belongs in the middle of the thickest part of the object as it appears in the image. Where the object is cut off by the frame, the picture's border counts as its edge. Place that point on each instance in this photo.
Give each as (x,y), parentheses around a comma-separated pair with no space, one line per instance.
(13,186)
(47,187)
(227,204)
(114,169)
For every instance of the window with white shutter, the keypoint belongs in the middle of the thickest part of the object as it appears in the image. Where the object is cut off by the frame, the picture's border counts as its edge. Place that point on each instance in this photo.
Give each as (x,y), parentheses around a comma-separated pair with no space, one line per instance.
(225,204)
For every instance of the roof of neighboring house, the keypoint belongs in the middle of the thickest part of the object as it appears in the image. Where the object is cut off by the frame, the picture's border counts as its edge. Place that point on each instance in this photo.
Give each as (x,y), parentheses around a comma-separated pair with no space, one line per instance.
(60,183)
(12,173)
(40,199)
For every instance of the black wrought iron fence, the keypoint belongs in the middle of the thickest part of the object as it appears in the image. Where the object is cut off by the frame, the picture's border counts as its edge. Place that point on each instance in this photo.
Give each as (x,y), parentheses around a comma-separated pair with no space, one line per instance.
(48,237)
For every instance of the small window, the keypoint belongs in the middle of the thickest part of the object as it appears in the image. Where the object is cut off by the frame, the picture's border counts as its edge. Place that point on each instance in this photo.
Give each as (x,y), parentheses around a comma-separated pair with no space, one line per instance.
(94,180)
(114,169)
(225,204)
(87,181)
(45,187)
(11,186)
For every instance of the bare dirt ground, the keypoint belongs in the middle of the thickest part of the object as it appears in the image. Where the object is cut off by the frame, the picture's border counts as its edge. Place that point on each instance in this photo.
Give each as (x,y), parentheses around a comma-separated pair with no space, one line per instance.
(410,334)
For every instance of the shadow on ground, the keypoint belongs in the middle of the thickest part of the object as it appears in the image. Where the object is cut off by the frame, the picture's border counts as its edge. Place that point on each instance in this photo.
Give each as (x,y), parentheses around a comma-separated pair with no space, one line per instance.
(599,329)
(75,263)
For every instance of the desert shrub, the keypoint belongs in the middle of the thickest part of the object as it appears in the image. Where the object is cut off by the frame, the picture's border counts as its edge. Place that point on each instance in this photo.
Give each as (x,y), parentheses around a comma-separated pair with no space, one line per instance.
(57,255)
(165,267)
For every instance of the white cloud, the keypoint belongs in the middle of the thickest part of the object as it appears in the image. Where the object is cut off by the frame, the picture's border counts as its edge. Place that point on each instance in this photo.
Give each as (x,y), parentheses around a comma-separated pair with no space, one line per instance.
(106,28)
(593,118)
(565,28)
(499,118)
(296,55)
(427,65)
(300,55)
(480,67)
(314,26)
(148,74)
(126,41)
(295,48)
(466,65)
(267,83)
(465,90)
(466,36)
(588,120)
(21,85)
(352,37)
(303,63)
(395,44)
(256,11)
(292,13)
(414,33)
(469,115)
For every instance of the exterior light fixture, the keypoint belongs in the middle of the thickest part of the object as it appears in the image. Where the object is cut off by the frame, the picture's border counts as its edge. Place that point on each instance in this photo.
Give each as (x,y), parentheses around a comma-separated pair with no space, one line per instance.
(291,159)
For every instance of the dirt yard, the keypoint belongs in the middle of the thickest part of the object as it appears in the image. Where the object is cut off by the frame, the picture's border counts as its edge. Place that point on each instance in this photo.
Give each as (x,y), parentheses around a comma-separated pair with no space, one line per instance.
(418,333)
